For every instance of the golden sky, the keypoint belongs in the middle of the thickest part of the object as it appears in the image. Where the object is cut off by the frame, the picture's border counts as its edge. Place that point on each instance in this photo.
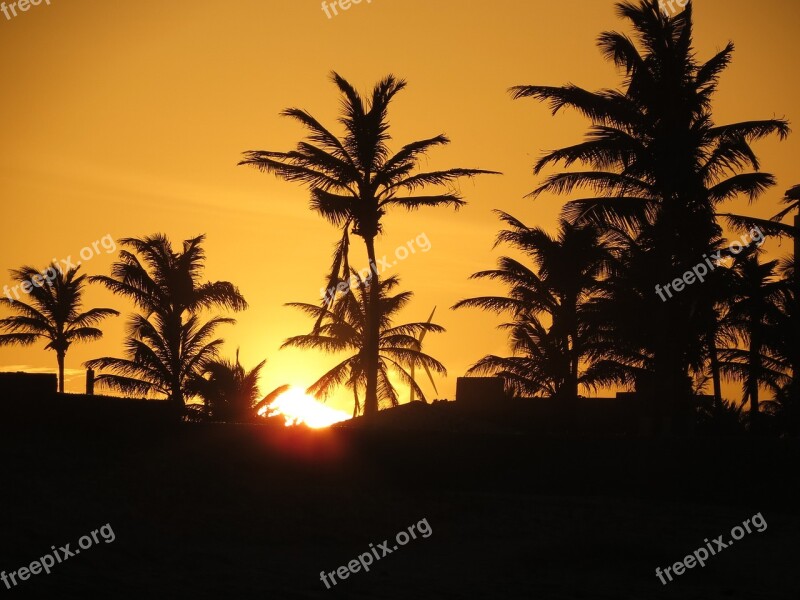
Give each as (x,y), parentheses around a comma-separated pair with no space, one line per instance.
(128,118)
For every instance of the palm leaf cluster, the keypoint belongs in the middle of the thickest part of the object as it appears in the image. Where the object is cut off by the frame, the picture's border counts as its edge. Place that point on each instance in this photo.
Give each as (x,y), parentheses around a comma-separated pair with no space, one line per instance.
(652,172)
(354,180)
(547,300)
(229,392)
(342,330)
(53,313)
(169,342)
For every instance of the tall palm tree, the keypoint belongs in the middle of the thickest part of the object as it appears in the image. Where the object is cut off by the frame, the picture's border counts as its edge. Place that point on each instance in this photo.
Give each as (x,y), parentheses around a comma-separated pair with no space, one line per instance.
(54,313)
(168,343)
(565,275)
(657,164)
(229,392)
(343,328)
(355,179)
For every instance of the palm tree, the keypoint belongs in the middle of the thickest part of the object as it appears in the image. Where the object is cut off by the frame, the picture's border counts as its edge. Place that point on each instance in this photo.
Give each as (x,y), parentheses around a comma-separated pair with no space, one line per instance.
(657,164)
(343,328)
(789,398)
(565,275)
(229,392)
(54,313)
(168,342)
(754,313)
(538,366)
(354,180)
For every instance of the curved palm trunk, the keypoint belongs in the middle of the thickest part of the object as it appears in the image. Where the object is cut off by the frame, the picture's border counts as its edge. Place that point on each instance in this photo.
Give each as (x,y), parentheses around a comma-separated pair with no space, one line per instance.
(372,332)
(60,357)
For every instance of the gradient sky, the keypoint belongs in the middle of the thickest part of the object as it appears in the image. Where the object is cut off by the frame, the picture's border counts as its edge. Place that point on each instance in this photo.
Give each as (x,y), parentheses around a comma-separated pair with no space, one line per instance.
(128,118)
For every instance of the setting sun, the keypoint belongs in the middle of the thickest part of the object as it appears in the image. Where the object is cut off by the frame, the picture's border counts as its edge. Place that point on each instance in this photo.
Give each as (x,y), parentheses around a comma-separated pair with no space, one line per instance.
(297,407)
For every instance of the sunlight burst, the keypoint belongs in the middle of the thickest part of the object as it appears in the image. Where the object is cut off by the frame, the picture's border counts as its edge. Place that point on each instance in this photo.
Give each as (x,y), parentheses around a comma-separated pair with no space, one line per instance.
(297,408)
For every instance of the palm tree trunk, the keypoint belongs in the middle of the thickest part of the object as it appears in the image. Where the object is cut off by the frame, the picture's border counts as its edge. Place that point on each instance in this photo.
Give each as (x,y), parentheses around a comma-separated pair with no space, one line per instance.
(713,359)
(575,353)
(754,369)
(176,397)
(670,379)
(60,357)
(372,333)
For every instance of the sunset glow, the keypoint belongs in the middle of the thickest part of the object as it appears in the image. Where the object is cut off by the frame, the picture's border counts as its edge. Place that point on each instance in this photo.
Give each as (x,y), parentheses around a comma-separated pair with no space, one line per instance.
(298,408)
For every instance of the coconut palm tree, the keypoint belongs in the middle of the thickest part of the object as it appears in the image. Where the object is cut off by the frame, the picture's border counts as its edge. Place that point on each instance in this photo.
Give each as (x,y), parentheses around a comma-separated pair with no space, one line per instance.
(754,313)
(168,343)
(354,180)
(538,367)
(788,400)
(343,328)
(656,164)
(53,314)
(229,392)
(565,274)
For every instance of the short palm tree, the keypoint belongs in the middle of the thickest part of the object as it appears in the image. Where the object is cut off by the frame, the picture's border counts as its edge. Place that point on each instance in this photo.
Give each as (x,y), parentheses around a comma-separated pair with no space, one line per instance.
(53,314)
(786,402)
(754,312)
(538,366)
(229,392)
(565,275)
(168,343)
(343,329)
(354,180)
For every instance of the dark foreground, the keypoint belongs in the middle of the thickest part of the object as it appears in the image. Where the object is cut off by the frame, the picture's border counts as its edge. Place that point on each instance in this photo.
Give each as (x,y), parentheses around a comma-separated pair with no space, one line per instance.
(215,511)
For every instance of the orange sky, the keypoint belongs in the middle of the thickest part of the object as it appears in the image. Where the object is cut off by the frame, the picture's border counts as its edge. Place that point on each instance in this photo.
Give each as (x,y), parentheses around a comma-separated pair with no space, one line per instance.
(128,118)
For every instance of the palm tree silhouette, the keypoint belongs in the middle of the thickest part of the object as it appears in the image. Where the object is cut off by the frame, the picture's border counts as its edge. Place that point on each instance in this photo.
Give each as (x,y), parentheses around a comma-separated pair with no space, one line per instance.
(566,274)
(753,314)
(786,402)
(657,165)
(790,396)
(52,315)
(168,342)
(229,392)
(354,180)
(343,328)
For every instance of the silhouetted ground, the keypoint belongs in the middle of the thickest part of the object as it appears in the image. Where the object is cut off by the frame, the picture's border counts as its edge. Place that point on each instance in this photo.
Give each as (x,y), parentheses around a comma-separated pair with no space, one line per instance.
(226,511)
